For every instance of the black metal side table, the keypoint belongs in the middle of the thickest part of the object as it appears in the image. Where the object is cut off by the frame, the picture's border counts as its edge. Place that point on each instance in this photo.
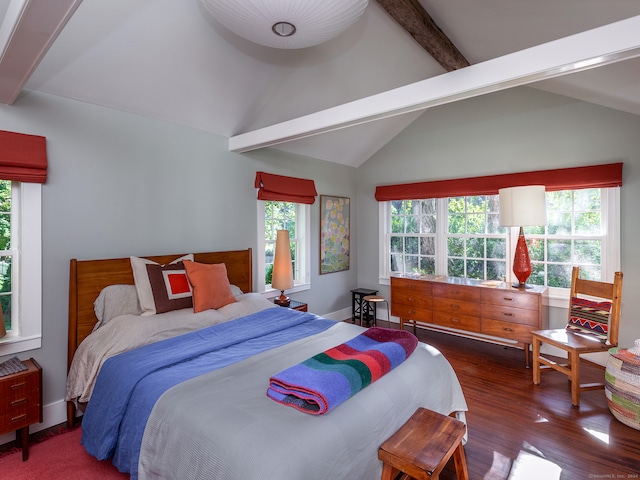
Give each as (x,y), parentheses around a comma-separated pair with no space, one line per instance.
(360,308)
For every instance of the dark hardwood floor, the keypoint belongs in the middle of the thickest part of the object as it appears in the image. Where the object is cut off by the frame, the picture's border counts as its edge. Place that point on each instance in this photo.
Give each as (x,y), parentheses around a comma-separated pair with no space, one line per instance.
(517,430)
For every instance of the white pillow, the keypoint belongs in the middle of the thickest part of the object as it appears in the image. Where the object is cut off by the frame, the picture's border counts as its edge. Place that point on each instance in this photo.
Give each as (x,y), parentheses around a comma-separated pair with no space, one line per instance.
(143,286)
(115,300)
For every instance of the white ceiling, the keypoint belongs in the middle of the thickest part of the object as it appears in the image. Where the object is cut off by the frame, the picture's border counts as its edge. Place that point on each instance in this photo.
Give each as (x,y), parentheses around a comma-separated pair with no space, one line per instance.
(170,60)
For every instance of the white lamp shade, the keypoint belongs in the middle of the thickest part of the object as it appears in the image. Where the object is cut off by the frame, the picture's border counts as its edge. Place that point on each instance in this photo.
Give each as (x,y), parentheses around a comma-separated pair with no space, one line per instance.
(523,206)
(315,21)
(282,277)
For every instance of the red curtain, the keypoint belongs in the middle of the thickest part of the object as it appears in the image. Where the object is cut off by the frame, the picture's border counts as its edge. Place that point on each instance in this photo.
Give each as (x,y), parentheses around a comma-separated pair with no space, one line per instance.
(23,157)
(596,176)
(285,189)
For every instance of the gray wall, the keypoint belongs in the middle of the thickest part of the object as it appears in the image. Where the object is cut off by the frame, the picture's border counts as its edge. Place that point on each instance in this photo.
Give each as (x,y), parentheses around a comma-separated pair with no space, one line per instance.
(516,130)
(121,184)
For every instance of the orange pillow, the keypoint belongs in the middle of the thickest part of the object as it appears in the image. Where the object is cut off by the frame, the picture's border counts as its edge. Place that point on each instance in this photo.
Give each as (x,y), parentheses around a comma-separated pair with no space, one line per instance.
(211,287)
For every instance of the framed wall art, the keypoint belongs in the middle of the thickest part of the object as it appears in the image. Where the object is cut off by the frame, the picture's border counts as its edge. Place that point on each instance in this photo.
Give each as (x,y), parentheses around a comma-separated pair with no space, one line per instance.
(334,234)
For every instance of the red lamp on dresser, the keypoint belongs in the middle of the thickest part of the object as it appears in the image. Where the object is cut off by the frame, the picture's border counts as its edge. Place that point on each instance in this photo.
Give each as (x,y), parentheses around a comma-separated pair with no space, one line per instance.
(522,207)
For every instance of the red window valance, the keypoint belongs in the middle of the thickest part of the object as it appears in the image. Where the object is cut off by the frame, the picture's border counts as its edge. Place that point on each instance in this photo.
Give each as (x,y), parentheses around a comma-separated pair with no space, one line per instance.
(596,176)
(285,189)
(23,158)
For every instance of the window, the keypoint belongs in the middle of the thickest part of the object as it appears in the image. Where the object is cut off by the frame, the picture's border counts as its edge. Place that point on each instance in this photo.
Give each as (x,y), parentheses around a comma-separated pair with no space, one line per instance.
(20,265)
(294,217)
(461,236)
(7,255)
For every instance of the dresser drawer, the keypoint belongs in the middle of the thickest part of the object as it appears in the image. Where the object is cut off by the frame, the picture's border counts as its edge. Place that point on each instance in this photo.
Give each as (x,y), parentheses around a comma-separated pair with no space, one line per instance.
(409,312)
(459,321)
(509,314)
(513,331)
(458,292)
(509,299)
(418,287)
(456,306)
(410,297)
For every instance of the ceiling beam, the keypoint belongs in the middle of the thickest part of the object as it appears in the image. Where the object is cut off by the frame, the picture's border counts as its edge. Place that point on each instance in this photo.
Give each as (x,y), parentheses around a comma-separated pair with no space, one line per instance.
(594,48)
(418,23)
(28,30)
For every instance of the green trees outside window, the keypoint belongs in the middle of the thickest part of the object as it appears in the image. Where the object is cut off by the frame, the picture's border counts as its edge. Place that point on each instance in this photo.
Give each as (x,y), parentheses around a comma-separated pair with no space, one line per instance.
(462,237)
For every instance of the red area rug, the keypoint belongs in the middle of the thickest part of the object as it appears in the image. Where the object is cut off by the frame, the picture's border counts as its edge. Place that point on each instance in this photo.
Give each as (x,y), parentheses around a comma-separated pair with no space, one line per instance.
(55,458)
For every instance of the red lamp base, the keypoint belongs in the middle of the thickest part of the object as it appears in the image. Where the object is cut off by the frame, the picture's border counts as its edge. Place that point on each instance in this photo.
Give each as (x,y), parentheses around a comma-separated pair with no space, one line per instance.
(521,262)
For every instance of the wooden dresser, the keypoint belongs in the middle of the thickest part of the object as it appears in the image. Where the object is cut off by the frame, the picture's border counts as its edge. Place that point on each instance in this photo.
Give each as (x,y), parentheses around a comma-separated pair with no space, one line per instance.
(490,311)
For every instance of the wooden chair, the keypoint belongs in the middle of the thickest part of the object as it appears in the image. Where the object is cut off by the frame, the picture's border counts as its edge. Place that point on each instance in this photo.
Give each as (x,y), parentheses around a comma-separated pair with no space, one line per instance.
(576,343)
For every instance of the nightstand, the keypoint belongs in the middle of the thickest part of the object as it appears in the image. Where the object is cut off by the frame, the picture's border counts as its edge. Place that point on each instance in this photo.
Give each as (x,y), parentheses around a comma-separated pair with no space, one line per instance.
(295,305)
(21,403)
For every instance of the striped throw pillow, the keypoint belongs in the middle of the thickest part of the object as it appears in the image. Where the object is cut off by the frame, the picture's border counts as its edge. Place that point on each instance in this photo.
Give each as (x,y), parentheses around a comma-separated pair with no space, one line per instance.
(588,316)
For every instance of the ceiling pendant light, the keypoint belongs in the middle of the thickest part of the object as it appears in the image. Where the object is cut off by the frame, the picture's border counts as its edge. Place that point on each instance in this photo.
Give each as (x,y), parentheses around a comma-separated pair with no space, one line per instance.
(286,23)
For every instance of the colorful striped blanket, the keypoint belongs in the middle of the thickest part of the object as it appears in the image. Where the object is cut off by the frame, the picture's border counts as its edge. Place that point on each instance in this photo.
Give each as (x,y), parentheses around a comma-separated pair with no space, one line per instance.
(327,379)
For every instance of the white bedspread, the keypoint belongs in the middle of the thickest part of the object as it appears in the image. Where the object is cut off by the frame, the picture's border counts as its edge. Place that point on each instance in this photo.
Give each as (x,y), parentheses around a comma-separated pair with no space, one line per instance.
(131,331)
(223,426)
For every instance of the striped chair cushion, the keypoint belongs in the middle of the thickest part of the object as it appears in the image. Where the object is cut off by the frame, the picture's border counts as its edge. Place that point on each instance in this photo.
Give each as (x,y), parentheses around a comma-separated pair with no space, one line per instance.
(588,316)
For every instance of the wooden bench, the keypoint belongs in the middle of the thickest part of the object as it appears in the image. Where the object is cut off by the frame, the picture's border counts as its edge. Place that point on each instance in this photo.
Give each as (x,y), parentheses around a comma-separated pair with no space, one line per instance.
(422,447)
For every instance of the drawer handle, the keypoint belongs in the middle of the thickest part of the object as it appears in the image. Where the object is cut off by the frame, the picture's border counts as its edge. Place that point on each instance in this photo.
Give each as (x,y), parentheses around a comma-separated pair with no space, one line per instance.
(508,299)
(18,385)
(454,320)
(507,314)
(507,329)
(18,402)
(453,305)
(19,417)
(411,299)
(411,286)
(410,312)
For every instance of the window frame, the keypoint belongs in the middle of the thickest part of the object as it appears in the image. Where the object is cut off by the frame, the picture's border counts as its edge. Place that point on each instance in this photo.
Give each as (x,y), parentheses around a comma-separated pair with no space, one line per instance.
(303,230)
(26,322)
(556,296)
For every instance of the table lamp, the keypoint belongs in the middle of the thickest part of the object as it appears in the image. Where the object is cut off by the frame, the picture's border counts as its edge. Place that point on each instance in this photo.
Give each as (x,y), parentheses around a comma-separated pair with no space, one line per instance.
(522,207)
(282,277)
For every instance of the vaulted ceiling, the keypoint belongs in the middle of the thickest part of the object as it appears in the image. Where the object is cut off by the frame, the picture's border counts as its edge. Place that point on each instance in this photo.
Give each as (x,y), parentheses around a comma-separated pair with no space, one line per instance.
(340,101)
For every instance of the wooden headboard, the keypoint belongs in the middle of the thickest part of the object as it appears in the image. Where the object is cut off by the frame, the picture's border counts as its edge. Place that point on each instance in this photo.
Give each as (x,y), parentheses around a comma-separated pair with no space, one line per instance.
(87,278)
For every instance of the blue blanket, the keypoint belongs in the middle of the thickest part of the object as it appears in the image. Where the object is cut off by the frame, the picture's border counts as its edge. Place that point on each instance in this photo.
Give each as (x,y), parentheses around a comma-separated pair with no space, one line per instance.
(129,384)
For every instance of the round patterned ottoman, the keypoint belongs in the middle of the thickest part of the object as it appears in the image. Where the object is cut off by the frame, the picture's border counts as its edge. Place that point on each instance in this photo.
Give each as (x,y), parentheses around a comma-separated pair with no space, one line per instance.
(622,384)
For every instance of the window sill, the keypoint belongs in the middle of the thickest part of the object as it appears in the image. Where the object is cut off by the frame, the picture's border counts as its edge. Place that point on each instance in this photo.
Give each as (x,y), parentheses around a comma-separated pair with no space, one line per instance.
(272,292)
(13,345)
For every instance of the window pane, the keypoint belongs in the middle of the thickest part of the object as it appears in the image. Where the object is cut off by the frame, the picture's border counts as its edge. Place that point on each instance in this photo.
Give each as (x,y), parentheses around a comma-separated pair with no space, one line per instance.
(455,247)
(496,247)
(429,206)
(559,223)
(5,214)
(427,265)
(456,224)
(559,251)
(455,267)
(587,251)
(475,248)
(411,245)
(396,245)
(411,264)
(476,223)
(559,275)
(588,223)
(427,246)
(536,249)
(428,224)
(496,270)
(475,269)
(537,274)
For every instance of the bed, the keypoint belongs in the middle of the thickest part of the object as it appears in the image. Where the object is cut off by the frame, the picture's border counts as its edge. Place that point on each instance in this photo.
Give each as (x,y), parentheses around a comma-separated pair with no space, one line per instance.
(206,414)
